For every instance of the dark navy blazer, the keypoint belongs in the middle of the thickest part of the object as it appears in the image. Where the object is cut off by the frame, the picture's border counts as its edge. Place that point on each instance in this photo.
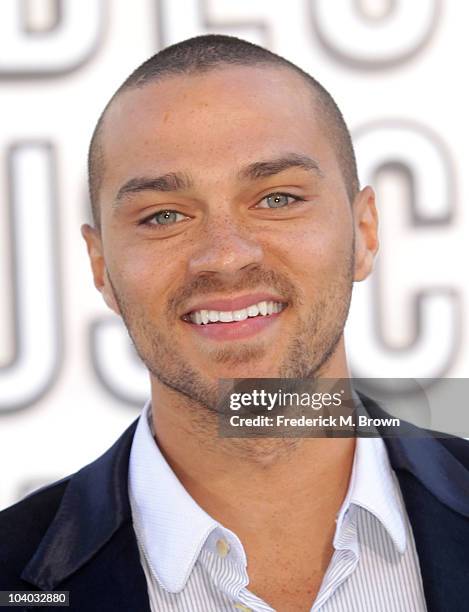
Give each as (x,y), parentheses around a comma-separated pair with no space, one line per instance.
(77,535)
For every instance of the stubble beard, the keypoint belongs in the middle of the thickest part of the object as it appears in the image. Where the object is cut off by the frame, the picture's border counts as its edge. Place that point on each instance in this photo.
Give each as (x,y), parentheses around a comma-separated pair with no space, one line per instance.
(312,344)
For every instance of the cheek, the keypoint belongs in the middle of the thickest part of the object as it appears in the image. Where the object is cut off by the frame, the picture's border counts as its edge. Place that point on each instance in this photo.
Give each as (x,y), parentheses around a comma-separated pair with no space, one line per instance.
(142,277)
(320,249)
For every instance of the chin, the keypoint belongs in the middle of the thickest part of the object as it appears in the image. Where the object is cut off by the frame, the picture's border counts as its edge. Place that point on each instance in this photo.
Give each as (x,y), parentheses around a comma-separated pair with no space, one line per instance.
(248,371)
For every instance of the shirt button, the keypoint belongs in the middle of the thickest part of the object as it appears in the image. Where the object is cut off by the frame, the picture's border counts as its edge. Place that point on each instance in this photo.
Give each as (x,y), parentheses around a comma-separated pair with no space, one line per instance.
(243,608)
(223,548)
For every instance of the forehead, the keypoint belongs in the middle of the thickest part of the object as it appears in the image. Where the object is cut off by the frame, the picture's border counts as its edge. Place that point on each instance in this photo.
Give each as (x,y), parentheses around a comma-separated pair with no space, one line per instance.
(224,117)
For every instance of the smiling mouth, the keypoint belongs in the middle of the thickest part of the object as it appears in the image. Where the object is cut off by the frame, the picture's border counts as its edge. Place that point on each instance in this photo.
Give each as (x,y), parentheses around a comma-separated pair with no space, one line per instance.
(212,317)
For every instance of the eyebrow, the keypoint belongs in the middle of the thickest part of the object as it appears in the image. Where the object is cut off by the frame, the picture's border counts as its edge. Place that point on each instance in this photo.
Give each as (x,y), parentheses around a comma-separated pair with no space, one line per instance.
(172,181)
(271,167)
(179,181)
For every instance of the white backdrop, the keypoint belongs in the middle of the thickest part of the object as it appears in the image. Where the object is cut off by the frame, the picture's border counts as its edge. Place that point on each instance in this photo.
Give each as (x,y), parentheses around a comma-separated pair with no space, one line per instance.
(69,379)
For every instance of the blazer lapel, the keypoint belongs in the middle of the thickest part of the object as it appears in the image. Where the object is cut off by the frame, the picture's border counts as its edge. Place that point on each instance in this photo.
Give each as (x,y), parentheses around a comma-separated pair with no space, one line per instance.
(113,580)
(442,541)
(435,489)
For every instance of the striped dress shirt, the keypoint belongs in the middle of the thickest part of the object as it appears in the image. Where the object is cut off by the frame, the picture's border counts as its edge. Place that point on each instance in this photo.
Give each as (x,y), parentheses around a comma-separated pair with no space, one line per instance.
(194,564)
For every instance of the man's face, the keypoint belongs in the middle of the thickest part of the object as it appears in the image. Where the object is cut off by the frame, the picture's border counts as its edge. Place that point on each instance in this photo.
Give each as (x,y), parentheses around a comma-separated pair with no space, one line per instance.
(257,211)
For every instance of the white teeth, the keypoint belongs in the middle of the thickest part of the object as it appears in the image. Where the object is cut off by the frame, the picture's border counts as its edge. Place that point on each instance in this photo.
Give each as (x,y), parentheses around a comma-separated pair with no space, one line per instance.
(240,315)
(253,311)
(205,317)
(213,316)
(264,308)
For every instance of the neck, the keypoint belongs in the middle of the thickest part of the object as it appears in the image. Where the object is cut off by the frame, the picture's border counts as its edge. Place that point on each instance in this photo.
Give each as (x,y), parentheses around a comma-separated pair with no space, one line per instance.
(299,478)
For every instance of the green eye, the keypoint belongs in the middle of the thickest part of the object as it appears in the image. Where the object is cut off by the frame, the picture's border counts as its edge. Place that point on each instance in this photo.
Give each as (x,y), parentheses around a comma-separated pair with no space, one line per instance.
(279,200)
(165,217)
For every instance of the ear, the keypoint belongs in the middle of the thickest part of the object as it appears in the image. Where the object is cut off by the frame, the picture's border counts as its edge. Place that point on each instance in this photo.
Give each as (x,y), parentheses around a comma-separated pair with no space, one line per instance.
(365,218)
(94,245)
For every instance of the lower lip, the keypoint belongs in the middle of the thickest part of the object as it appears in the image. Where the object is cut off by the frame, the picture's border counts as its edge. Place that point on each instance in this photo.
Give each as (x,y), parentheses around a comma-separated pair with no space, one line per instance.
(235,330)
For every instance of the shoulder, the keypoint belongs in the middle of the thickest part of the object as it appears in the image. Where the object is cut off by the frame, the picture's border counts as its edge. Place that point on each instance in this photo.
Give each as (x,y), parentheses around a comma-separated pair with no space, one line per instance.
(458,447)
(22,526)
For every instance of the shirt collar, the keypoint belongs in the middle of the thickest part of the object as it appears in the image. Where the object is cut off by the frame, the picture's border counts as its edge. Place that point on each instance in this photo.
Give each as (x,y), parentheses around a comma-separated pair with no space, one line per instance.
(374,487)
(171,527)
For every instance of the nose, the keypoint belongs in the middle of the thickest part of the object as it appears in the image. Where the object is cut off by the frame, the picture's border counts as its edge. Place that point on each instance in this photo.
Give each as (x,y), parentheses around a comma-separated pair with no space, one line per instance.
(225,248)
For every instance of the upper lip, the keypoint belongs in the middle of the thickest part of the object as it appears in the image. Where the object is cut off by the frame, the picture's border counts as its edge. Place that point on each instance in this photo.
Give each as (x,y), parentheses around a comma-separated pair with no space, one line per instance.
(236,303)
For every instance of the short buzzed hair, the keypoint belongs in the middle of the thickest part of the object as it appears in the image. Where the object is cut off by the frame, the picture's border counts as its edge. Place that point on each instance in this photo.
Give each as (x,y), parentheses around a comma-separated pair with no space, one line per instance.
(204,53)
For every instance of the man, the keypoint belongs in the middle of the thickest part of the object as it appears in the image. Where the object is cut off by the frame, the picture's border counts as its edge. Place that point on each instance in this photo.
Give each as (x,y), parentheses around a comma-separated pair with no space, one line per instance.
(229,229)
